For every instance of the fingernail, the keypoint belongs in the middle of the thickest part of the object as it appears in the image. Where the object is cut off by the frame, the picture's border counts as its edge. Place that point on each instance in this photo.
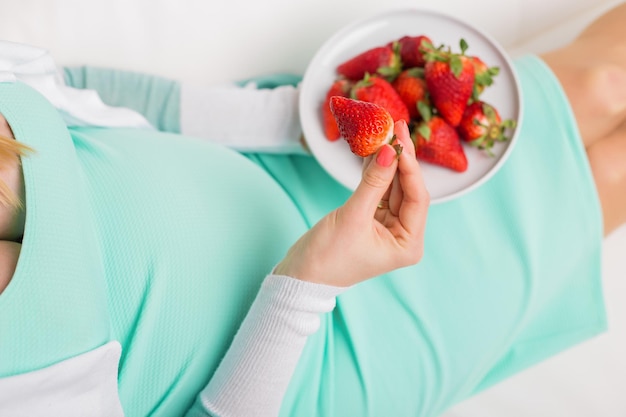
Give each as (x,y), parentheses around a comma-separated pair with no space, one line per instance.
(386,156)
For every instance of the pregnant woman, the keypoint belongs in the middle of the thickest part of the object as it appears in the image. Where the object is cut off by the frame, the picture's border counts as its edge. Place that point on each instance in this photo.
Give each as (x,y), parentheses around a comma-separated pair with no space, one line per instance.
(145,272)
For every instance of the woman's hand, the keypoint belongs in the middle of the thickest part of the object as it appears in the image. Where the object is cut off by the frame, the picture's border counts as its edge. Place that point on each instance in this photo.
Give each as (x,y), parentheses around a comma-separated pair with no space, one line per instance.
(380,228)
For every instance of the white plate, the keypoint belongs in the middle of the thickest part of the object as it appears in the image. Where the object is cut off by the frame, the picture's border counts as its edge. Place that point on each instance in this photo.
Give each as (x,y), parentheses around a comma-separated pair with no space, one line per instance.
(443,184)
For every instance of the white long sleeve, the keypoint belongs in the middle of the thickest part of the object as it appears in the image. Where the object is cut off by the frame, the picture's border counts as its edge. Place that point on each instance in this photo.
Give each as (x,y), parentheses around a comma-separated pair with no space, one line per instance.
(246,119)
(253,376)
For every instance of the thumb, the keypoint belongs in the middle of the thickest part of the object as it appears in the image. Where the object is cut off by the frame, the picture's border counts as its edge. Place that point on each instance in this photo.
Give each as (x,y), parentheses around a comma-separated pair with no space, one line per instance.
(377,177)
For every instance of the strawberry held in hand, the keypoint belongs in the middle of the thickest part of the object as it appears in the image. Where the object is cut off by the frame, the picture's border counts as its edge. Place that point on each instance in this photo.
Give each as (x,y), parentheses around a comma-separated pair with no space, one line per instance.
(365,126)
(482,127)
(450,81)
(382,60)
(438,143)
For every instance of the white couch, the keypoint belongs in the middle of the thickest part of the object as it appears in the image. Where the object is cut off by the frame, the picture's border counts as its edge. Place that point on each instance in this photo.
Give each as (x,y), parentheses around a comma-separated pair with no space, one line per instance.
(214,42)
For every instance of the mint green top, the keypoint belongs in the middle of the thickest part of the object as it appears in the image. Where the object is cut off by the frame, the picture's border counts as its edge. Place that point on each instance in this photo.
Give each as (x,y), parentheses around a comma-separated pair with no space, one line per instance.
(155,240)
(161,241)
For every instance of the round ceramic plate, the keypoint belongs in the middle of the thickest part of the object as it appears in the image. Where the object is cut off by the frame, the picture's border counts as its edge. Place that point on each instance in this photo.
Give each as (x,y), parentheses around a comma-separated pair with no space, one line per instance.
(443,184)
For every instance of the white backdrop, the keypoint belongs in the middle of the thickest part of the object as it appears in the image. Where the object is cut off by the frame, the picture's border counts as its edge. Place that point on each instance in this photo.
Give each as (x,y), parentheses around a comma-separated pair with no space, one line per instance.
(213,41)
(208,42)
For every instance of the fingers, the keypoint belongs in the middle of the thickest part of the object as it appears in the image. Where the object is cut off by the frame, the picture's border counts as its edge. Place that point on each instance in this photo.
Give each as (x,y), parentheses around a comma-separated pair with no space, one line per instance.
(377,177)
(403,138)
(415,197)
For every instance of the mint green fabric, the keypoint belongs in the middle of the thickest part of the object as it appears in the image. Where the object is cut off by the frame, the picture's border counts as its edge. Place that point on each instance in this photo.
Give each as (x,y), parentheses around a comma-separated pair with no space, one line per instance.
(152,239)
(155,97)
(273,80)
(168,239)
(55,305)
(188,231)
(511,275)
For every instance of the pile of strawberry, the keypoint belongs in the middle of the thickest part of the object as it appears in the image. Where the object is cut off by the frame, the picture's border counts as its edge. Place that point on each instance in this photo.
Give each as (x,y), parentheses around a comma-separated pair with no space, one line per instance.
(436,91)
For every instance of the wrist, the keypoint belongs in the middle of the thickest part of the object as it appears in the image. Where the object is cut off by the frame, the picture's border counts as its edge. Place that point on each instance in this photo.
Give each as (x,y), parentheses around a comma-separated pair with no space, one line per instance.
(288,269)
(305,274)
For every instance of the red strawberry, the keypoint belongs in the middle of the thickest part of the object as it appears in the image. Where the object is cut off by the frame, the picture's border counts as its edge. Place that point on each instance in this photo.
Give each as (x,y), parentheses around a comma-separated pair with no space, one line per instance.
(483,75)
(482,126)
(450,81)
(437,142)
(339,88)
(411,88)
(365,126)
(381,60)
(412,49)
(374,89)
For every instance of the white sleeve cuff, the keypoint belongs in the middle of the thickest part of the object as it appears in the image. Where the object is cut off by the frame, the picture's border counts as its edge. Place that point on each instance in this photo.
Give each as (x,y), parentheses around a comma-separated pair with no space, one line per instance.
(253,376)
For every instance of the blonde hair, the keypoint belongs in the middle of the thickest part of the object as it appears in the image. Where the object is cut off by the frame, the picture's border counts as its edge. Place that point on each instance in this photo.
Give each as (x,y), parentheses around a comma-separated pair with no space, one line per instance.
(10,151)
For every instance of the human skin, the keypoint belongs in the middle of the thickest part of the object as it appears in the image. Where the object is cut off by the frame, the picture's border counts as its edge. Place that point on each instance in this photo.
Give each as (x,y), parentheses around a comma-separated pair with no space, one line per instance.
(592,71)
(361,240)
(11,218)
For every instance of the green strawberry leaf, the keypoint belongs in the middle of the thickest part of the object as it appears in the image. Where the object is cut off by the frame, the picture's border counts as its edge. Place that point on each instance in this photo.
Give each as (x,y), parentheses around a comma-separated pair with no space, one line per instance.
(395,47)
(424,131)
(424,110)
(390,73)
(484,79)
(493,71)
(424,44)
(489,112)
(416,72)
(509,124)
(456,65)
(475,94)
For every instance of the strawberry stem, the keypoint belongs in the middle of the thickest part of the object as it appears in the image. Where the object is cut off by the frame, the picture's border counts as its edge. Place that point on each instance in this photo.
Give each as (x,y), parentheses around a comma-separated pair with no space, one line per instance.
(398,148)
(464,46)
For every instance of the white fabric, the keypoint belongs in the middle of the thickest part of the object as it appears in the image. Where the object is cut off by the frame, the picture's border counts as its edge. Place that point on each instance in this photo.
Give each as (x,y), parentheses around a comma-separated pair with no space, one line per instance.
(35,67)
(248,382)
(203,44)
(245,119)
(82,386)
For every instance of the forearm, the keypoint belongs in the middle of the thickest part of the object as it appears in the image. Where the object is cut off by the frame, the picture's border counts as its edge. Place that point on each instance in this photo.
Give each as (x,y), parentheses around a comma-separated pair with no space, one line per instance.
(247,119)
(255,373)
